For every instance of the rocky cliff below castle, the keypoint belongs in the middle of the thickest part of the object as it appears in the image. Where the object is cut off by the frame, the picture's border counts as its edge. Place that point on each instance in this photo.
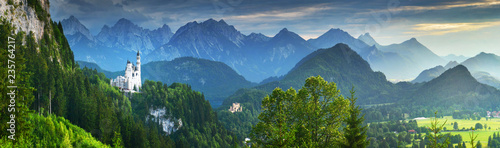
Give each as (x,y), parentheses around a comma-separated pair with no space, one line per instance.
(26,16)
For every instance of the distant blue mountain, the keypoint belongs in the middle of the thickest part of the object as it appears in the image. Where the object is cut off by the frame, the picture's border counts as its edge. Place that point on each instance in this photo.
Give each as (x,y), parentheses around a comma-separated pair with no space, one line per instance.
(420,56)
(396,61)
(453,57)
(368,39)
(254,56)
(486,62)
(114,45)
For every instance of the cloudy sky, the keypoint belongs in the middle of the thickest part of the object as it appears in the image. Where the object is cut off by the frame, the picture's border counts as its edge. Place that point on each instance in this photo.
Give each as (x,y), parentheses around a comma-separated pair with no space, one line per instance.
(444,26)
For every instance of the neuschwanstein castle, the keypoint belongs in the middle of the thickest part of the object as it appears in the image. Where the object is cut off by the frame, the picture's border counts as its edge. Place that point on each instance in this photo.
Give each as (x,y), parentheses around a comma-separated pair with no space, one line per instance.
(131,81)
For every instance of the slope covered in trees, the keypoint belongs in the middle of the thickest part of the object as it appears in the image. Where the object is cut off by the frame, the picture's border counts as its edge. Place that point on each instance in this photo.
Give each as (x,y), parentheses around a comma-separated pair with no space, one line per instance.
(457,86)
(215,80)
(52,131)
(342,65)
(198,125)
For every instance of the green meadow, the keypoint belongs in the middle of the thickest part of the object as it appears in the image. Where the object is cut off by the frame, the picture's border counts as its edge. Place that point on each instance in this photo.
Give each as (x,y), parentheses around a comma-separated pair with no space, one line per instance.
(483,134)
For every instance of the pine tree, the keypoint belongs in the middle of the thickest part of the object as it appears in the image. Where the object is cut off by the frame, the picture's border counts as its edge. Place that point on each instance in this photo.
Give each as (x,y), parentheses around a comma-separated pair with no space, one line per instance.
(472,138)
(117,139)
(434,137)
(355,132)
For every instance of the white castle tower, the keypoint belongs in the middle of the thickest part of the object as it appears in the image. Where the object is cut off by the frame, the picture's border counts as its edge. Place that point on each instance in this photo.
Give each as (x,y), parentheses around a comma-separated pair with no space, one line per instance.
(131,81)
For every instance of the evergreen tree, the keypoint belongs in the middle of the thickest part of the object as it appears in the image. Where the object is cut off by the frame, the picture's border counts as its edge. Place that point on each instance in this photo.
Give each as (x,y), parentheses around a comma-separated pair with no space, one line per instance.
(489,141)
(355,132)
(472,139)
(435,137)
(117,140)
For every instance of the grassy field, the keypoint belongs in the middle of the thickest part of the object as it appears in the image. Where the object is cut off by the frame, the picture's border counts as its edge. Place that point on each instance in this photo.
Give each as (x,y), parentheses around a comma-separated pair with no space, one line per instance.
(483,134)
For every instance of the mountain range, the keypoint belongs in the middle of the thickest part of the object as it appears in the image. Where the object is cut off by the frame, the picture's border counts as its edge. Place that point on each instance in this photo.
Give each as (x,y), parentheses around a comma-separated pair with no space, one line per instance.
(484,68)
(456,86)
(114,45)
(453,57)
(255,56)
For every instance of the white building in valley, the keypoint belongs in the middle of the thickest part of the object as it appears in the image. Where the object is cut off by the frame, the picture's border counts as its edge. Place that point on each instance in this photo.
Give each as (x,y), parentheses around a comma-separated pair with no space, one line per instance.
(131,81)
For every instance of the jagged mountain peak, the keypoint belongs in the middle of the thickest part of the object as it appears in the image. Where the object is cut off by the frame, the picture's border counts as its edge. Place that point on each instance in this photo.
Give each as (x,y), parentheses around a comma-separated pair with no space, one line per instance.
(125,24)
(211,21)
(213,24)
(368,39)
(72,26)
(335,30)
(165,26)
(207,31)
(366,34)
(335,36)
(124,21)
(335,33)
(256,34)
(412,41)
(284,34)
(451,64)
(258,37)
(72,18)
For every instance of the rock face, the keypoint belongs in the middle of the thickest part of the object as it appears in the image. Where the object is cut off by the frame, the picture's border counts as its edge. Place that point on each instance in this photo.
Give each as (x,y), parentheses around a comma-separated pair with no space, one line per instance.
(72,26)
(128,36)
(113,45)
(23,17)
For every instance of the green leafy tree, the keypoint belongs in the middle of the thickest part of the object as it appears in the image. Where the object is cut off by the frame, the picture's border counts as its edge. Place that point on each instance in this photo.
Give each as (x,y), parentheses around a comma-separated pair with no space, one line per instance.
(276,128)
(479,126)
(455,126)
(310,118)
(355,132)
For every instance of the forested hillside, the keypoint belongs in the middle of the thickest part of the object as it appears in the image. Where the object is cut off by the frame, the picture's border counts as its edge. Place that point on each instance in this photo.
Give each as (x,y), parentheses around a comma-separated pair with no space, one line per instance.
(52,131)
(215,80)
